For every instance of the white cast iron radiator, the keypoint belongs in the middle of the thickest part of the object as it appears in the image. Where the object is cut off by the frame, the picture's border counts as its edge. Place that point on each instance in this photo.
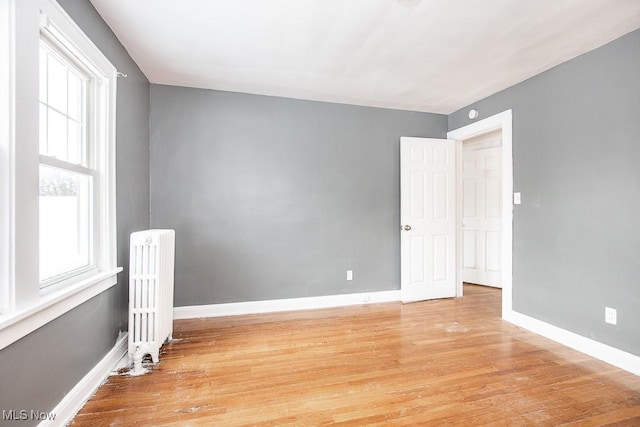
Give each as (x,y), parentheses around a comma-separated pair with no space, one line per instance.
(151,265)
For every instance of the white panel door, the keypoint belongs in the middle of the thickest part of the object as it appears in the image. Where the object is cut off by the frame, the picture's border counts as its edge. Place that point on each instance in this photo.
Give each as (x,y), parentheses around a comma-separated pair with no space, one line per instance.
(427,213)
(481,216)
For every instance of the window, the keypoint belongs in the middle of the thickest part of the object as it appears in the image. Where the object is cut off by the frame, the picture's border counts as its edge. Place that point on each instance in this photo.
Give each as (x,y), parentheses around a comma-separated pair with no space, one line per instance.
(67,201)
(57,177)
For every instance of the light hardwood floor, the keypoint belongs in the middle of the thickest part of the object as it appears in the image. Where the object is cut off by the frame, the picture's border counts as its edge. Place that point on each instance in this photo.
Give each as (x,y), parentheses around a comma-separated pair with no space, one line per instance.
(445,362)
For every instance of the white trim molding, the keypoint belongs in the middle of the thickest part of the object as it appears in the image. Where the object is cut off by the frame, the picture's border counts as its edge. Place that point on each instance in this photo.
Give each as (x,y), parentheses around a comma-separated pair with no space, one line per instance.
(71,404)
(279,305)
(16,325)
(611,355)
(503,121)
(7,86)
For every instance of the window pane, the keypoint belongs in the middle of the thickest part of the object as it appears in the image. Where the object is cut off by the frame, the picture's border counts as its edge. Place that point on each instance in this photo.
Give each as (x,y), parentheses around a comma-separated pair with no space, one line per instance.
(43,74)
(63,115)
(57,82)
(43,129)
(57,135)
(74,148)
(76,89)
(65,221)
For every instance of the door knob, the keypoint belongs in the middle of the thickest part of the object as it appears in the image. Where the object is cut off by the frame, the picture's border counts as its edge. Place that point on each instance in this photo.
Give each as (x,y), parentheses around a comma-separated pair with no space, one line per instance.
(407,227)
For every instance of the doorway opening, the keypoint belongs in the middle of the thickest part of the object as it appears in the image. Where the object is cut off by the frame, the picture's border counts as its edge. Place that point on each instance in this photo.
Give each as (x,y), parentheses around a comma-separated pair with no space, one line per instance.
(481,201)
(497,126)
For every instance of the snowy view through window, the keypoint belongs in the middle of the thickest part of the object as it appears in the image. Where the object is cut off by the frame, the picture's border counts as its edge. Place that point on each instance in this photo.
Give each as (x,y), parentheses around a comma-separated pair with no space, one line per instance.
(64,221)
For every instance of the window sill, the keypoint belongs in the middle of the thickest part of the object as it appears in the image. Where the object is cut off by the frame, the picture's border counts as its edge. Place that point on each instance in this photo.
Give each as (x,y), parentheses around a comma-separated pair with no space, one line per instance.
(20,323)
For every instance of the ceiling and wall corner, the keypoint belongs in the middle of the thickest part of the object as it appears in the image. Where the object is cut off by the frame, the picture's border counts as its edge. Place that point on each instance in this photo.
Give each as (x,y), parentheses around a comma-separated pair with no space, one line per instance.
(421,55)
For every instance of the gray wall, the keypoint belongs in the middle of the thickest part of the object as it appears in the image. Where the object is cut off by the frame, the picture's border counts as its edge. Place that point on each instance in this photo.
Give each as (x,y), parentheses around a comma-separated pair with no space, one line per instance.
(37,371)
(576,149)
(277,198)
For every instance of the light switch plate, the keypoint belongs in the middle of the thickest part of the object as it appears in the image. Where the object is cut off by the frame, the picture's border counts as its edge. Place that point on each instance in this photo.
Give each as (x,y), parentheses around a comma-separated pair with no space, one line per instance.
(516,199)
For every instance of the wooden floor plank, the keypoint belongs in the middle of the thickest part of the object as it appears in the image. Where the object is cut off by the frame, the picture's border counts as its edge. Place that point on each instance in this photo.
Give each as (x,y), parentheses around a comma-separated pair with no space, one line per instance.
(445,362)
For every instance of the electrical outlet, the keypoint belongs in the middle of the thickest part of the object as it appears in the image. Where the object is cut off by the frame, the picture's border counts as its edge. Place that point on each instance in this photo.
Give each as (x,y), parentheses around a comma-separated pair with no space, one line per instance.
(611,315)
(349,274)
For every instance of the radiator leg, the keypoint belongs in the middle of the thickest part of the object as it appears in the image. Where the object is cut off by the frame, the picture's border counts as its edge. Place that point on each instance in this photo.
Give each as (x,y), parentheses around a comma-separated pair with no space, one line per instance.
(155,356)
(137,363)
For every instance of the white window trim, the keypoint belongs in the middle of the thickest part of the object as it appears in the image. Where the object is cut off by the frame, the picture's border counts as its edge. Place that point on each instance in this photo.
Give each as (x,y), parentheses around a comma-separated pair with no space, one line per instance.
(18,324)
(28,307)
(6,153)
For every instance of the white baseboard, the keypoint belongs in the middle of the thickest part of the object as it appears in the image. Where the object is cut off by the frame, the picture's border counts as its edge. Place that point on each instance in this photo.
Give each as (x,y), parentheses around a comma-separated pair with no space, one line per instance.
(278,305)
(611,355)
(78,396)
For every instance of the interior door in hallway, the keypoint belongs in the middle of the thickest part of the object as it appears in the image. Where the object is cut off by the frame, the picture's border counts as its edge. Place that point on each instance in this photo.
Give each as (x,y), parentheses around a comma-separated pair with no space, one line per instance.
(481,211)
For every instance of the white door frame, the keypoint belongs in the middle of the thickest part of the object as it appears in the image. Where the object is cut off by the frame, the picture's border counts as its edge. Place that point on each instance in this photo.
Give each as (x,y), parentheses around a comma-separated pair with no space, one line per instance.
(501,121)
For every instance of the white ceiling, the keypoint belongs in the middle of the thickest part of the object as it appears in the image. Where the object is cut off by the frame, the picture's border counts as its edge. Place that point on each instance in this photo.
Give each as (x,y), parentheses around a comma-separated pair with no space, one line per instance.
(423,55)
